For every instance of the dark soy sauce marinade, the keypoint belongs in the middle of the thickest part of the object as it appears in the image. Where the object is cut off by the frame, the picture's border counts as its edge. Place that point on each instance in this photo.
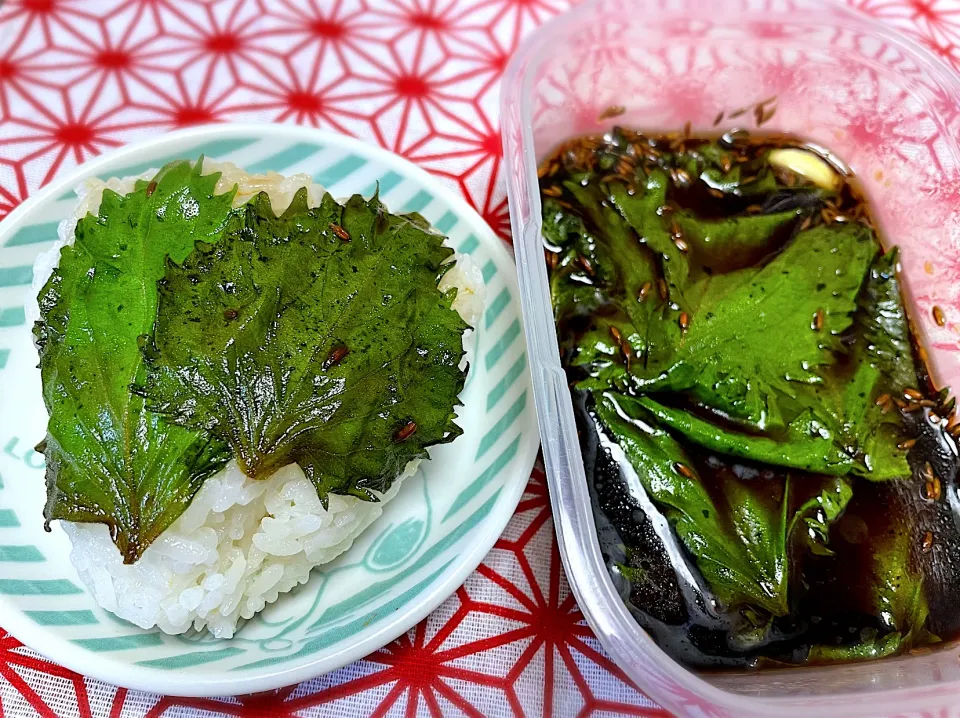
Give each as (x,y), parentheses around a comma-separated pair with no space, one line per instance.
(772,473)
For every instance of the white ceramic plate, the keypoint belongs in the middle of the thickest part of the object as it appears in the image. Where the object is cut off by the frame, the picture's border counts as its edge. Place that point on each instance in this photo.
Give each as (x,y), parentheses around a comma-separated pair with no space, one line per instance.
(429,539)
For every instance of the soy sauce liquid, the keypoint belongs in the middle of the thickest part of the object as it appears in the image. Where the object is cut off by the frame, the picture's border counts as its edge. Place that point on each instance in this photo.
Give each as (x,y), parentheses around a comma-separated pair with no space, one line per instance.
(831,601)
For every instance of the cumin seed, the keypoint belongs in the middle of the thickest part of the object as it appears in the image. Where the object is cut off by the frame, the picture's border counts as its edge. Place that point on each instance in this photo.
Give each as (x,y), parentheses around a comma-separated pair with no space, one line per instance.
(406,431)
(341,233)
(939,317)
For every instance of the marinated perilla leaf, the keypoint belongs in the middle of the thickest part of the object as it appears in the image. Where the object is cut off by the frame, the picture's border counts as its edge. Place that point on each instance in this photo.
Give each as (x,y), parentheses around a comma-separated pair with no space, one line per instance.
(109,459)
(318,337)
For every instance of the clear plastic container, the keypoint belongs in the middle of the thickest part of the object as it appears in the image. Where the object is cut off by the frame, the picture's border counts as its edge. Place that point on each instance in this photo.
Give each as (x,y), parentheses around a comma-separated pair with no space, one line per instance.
(884,105)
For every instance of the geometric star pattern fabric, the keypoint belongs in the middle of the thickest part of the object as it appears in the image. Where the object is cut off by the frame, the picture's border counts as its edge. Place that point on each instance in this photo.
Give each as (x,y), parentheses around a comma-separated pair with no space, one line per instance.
(419,77)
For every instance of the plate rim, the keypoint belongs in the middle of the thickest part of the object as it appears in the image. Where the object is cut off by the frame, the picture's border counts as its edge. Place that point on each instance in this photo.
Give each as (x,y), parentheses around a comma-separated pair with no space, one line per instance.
(110,669)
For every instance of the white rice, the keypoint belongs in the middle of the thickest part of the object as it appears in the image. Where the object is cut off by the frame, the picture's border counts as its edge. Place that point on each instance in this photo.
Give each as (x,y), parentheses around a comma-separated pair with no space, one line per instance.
(241,543)
(238,546)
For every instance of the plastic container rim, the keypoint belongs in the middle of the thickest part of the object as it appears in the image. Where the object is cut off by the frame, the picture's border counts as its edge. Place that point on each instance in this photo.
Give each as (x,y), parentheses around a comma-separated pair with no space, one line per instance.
(629,645)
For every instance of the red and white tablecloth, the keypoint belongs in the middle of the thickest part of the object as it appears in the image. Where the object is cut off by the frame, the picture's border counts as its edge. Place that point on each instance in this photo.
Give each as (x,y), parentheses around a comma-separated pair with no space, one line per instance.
(420,77)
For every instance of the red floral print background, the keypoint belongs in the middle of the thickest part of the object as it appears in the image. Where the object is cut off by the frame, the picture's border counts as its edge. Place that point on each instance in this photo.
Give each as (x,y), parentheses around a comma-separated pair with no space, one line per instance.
(420,77)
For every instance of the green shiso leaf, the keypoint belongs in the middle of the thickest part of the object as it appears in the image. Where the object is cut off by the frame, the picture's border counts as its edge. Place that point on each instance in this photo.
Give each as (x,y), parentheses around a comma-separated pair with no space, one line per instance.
(896,596)
(880,361)
(318,337)
(885,364)
(781,393)
(811,523)
(739,240)
(737,535)
(752,339)
(109,459)
(805,444)
(738,531)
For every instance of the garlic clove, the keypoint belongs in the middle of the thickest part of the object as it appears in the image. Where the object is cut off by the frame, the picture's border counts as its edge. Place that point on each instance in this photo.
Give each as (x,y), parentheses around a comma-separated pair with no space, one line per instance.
(807,165)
